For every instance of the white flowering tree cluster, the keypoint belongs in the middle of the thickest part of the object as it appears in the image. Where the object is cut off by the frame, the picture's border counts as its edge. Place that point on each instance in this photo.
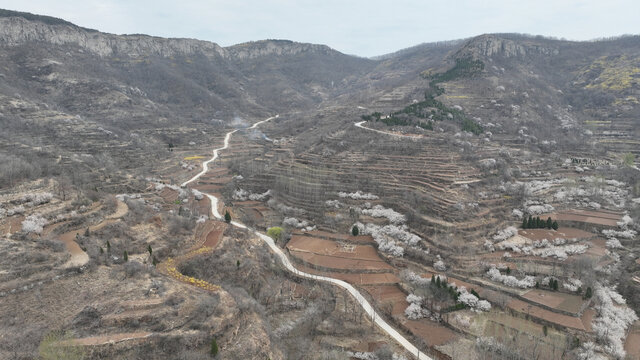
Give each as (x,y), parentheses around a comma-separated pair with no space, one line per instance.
(36,198)
(358,195)
(285,209)
(589,351)
(299,224)
(517,214)
(612,321)
(416,279)
(187,166)
(380,211)
(34,224)
(243,195)
(415,311)
(572,284)
(388,237)
(539,209)
(613,243)
(625,221)
(371,356)
(559,252)
(26,201)
(333,204)
(558,248)
(439,264)
(197,194)
(612,191)
(495,275)
(505,234)
(625,234)
(182,193)
(472,301)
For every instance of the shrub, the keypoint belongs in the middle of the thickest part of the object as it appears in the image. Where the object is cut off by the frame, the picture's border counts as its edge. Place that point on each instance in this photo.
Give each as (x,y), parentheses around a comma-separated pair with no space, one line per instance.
(275,233)
(57,346)
(214,347)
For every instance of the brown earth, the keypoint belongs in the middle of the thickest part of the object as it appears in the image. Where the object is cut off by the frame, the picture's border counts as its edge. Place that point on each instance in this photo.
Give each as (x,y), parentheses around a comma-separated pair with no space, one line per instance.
(563,232)
(556,300)
(550,316)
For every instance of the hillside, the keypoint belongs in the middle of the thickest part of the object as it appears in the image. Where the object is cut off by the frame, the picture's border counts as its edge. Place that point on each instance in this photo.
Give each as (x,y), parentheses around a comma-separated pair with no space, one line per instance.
(451,185)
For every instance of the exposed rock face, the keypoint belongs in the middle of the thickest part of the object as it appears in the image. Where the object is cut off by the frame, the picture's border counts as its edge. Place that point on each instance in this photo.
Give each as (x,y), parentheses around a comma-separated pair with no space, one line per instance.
(17,31)
(491,45)
(252,50)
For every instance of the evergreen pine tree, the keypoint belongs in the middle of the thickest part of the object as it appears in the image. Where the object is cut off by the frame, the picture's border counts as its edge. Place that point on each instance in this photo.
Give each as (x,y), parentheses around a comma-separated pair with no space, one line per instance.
(438,281)
(355,231)
(108,246)
(125,256)
(588,293)
(549,223)
(149,250)
(227,217)
(530,223)
(433,279)
(524,223)
(555,225)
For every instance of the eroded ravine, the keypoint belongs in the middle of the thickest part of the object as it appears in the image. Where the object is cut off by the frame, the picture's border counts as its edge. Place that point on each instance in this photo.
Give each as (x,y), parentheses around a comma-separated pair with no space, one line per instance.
(366,306)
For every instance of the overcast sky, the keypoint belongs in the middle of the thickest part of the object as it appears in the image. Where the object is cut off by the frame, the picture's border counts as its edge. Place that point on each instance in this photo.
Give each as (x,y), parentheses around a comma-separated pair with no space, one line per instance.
(359,27)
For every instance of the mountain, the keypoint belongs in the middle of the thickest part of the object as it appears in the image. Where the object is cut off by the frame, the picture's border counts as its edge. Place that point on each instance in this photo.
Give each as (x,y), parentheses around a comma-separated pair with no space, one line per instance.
(441,157)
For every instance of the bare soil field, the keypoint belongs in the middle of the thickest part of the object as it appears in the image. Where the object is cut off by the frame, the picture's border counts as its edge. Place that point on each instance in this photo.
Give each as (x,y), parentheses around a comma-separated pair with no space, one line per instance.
(556,300)
(550,316)
(331,254)
(389,294)
(335,262)
(602,217)
(632,345)
(355,278)
(563,232)
(523,334)
(433,333)
(341,237)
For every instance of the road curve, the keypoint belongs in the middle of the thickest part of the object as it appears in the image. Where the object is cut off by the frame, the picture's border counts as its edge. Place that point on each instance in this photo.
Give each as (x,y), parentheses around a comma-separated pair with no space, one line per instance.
(359,124)
(366,306)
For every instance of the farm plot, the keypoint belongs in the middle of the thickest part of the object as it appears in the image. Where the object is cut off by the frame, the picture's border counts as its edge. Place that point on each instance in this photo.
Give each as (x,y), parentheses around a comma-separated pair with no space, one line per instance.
(355,278)
(547,315)
(523,334)
(563,232)
(432,332)
(335,255)
(601,217)
(556,300)
(389,297)
(632,345)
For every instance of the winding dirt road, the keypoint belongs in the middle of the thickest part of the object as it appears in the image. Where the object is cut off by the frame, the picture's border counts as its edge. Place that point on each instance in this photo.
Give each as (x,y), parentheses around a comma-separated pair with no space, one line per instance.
(359,124)
(366,306)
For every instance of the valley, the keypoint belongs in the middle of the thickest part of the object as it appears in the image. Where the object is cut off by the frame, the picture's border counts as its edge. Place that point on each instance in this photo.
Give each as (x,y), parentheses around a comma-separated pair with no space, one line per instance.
(472,199)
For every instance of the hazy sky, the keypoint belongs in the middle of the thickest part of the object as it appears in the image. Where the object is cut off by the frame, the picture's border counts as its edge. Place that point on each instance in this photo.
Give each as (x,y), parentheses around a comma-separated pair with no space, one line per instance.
(360,27)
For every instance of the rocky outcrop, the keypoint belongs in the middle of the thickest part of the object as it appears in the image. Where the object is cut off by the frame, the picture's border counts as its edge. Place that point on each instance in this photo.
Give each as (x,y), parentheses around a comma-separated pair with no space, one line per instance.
(17,31)
(492,45)
(255,49)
